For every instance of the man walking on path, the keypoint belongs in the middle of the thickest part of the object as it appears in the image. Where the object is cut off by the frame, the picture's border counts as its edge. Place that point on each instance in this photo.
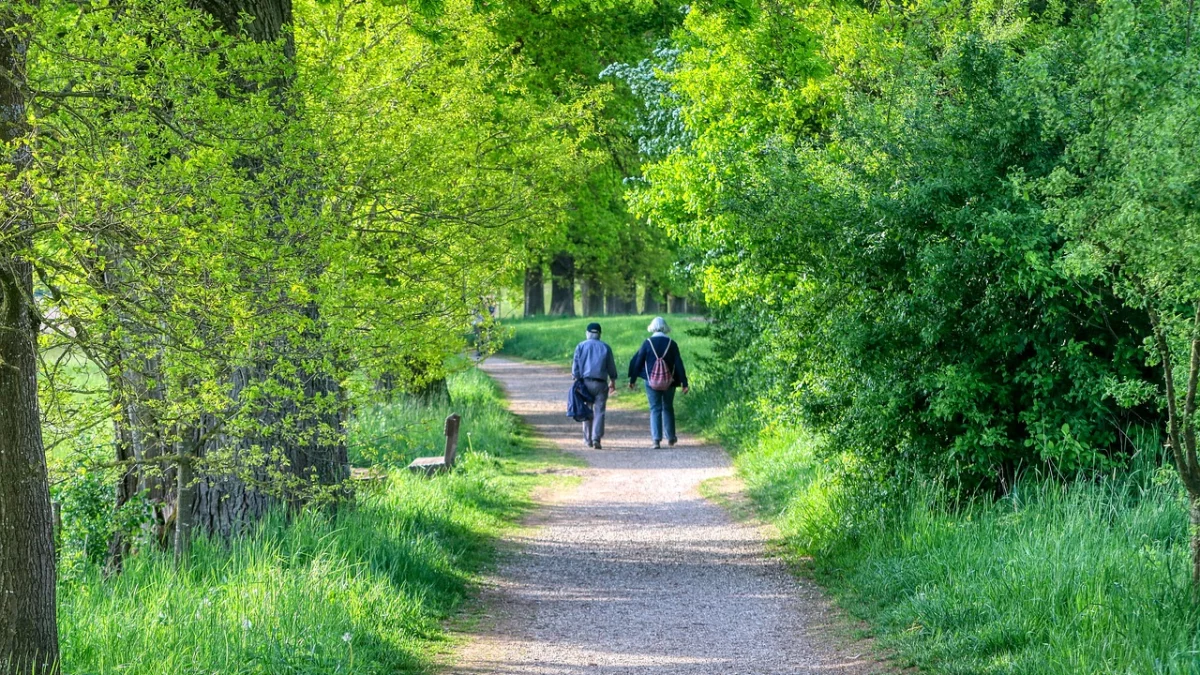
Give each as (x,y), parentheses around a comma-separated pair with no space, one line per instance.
(595,365)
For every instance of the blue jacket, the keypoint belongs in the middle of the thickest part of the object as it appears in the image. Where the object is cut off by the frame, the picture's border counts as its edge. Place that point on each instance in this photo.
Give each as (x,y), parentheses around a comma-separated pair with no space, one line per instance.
(643,361)
(579,402)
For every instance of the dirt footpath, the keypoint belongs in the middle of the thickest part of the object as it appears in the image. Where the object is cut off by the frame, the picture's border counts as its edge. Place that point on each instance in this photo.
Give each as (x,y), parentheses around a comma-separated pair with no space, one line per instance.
(632,571)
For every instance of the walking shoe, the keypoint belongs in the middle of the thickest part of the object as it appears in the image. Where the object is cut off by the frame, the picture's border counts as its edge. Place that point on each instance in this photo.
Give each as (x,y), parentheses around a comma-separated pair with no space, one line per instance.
(596,445)
(587,443)
(672,442)
(657,445)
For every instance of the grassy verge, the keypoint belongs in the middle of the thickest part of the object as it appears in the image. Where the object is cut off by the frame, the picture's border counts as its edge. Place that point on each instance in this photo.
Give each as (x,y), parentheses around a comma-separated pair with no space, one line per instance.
(364,591)
(1088,577)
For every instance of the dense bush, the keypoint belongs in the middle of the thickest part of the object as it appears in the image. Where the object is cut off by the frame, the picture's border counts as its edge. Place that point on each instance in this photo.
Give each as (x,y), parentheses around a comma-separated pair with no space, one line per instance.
(1087,577)
(866,193)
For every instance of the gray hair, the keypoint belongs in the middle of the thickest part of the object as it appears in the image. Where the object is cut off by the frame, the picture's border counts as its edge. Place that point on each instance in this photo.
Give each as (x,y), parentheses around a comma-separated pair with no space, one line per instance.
(658,325)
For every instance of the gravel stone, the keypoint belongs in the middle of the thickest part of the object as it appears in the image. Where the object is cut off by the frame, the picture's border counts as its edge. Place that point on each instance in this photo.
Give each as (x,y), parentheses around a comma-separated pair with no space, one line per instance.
(633,571)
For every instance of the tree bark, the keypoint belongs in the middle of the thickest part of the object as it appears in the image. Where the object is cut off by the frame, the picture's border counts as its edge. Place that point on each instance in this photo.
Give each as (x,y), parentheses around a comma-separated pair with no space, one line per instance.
(651,300)
(535,291)
(593,297)
(270,20)
(299,444)
(677,305)
(562,285)
(28,622)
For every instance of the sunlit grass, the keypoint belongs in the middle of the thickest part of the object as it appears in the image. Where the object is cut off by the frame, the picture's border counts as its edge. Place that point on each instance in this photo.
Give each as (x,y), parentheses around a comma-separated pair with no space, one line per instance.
(1088,577)
(364,590)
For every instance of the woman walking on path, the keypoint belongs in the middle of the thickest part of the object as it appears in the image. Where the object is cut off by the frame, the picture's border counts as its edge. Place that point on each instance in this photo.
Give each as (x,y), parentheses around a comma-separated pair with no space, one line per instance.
(659,347)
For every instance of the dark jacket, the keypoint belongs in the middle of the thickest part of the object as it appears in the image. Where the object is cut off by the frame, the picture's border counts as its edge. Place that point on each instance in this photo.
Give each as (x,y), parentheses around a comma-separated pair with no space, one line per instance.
(579,402)
(643,361)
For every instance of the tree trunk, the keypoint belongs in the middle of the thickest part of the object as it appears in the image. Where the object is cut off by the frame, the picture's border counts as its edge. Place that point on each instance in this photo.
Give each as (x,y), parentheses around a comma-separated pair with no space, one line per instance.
(562,285)
(535,291)
(270,19)
(298,445)
(1195,502)
(28,623)
(593,297)
(185,495)
(677,305)
(627,298)
(651,300)
(1181,426)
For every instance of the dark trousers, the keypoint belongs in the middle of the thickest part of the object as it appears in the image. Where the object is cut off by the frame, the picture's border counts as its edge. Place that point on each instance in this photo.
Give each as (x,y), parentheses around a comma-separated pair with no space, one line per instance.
(593,430)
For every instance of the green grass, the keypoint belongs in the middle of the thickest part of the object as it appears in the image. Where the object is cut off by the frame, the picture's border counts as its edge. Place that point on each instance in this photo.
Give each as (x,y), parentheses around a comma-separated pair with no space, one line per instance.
(364,591)
(1089,577)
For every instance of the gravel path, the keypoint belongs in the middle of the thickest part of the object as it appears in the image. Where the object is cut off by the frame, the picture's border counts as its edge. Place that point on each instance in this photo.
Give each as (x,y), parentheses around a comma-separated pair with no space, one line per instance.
(632,571)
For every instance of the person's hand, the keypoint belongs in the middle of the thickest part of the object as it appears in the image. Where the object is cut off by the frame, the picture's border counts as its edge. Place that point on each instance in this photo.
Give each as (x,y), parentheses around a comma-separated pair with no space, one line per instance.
(631,385)
(612,387)
(685,389)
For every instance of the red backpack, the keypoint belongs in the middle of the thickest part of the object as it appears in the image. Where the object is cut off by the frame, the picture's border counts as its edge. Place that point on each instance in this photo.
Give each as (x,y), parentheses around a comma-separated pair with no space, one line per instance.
(661,377)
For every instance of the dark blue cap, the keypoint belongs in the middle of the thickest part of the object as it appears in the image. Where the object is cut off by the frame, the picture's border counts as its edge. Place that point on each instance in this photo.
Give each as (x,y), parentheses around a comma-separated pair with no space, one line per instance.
(593,327)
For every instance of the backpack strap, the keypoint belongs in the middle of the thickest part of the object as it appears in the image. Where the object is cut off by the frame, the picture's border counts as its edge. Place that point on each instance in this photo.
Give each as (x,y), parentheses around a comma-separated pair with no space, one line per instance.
(654,351)
(664,354)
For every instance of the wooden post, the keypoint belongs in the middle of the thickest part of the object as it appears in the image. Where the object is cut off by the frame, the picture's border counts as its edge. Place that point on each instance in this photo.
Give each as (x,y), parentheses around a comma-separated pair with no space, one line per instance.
(452,424)
(433,465)
(184,495)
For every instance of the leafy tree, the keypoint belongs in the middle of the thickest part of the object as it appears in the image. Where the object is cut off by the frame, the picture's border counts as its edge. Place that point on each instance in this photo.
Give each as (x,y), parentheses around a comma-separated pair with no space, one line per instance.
(1126,197)
(854,187)
(28,628)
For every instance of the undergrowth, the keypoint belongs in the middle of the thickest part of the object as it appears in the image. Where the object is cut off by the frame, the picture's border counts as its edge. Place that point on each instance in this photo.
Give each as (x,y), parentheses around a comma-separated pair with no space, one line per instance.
(1090,576)
(364,590)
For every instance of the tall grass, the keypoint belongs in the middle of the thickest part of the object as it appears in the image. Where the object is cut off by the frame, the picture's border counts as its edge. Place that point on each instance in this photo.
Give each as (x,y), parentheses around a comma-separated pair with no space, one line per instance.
(1086,577)
(364,590)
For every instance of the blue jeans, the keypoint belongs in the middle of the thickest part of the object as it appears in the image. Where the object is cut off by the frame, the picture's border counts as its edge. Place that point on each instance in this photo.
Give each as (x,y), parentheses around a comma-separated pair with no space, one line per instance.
(662,413)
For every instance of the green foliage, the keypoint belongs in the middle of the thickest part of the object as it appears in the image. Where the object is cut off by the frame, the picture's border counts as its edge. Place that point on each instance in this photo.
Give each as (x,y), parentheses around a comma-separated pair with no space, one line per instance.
(84,495)
(567,45)
(241,238)
(364,590)
(861,199)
